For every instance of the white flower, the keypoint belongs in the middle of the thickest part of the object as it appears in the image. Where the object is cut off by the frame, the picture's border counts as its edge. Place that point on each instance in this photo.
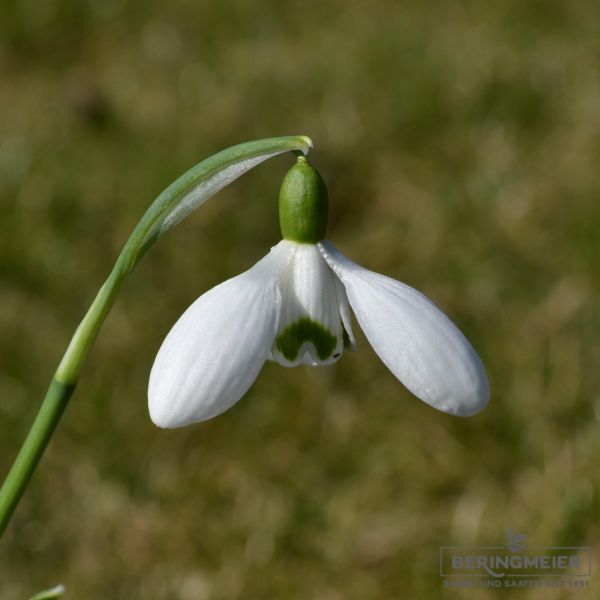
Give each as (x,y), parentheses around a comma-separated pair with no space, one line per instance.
(293,307)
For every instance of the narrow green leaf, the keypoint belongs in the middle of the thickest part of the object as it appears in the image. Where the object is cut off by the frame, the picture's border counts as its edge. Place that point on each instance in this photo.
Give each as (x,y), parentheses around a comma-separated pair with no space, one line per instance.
(55,592)
(198,184)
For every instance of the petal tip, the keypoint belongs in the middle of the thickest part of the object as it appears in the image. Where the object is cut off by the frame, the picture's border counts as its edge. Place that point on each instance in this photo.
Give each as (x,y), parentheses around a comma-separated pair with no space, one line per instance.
(160,416)
(474,402)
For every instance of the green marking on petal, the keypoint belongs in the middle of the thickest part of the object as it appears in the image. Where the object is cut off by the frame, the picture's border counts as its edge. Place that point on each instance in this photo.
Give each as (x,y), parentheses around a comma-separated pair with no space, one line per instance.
(290,340)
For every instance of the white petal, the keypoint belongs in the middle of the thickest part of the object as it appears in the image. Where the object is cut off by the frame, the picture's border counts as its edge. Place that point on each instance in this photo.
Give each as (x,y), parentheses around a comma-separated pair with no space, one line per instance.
(215,350)
(414,339)
(310,329)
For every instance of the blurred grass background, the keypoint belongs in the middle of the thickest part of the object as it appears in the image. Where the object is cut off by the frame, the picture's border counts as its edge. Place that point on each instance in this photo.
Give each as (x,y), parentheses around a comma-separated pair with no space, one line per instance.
(461,144)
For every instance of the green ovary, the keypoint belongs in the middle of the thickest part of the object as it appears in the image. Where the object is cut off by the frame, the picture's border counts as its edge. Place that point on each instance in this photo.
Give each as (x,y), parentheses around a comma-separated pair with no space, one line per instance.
(290,340)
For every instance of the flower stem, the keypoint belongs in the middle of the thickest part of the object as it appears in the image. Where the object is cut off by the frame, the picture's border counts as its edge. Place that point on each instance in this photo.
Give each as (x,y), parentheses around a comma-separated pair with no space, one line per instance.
(185,194)
(61,388)
(52,408)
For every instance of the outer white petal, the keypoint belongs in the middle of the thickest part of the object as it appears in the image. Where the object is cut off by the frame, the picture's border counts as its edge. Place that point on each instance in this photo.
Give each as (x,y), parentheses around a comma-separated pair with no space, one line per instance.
(215,350)
(414,339)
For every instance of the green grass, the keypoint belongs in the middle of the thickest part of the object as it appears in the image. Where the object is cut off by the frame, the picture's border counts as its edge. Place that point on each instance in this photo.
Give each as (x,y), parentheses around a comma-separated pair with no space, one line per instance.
(460,146)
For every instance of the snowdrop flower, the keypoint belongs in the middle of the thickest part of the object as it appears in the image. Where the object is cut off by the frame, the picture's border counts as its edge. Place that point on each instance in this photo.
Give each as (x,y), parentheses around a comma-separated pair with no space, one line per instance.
(293,307)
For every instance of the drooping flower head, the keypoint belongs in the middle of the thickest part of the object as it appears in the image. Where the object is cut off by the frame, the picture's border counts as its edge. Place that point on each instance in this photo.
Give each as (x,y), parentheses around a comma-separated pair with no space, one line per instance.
(293,307)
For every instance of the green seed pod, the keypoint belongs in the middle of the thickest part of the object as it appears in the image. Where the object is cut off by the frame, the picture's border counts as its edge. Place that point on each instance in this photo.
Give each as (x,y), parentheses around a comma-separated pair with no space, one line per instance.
(303,204)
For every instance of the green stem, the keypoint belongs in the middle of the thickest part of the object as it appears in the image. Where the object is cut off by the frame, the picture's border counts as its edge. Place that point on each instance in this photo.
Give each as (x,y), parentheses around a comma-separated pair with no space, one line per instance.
(41,431)
(58,394)
(181,197)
